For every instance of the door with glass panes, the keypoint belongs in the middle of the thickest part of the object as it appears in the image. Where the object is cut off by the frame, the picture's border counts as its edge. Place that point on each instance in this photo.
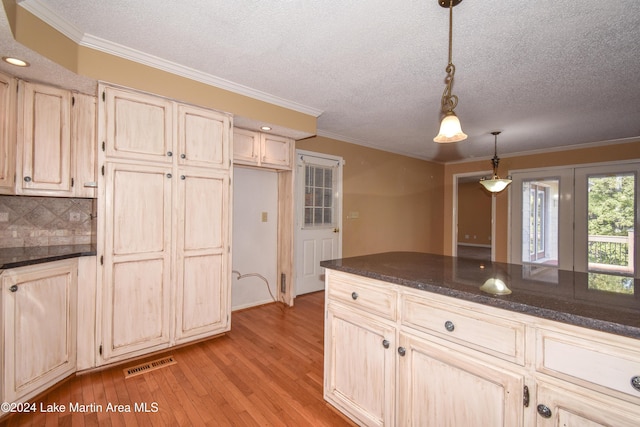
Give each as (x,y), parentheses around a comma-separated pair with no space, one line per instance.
(581,218)
(318,206)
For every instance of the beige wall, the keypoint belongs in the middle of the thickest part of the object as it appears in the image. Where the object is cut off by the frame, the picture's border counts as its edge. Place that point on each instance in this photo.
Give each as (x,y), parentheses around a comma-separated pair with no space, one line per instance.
(474,214)
(398,199)
(606,153)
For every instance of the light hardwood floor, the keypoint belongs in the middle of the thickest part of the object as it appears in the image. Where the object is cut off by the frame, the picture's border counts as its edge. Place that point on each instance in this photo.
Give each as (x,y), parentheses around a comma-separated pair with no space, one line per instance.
(267,371)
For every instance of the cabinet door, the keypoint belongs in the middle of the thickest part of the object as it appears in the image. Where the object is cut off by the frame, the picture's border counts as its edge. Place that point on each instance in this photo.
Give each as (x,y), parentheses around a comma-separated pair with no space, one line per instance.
(203,300)
(84,144)
(7,134)
(276,151)
(576,407)
(136,284)
(44,141)
(138,126)
(39,313)
(359,366)
(203,137)
(246,147)
(439,386)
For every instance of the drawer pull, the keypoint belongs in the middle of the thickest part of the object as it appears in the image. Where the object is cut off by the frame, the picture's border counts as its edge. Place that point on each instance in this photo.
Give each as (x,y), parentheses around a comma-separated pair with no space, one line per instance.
(14,288)
(449,326)
(385,343)
(635,382)
(544,411)
(354,295)
(402,351)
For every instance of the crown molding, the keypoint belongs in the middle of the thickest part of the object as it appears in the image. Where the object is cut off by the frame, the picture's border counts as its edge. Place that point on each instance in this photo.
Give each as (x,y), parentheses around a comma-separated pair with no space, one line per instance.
(46,14)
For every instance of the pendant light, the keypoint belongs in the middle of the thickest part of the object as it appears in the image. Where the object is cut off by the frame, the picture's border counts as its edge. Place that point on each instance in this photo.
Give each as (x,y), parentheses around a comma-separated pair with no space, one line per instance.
(495,184)
(450,128)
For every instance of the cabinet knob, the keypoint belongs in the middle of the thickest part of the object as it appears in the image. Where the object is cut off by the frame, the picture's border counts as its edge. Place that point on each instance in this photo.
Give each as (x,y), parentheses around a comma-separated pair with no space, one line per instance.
(27,179)
(182,177)
(385,343)
(169,175)
(14,288)
(635,382)
(169,153)
(183,156)
(354,295)
(449,326)
(544,411)
(402,351)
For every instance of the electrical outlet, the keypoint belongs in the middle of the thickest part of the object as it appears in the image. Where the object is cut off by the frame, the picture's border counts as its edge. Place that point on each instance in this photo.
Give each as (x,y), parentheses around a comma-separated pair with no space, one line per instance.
(264,217)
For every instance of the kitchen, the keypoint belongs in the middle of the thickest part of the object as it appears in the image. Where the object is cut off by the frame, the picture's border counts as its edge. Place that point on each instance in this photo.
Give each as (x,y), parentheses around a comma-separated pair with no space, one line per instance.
(369,172)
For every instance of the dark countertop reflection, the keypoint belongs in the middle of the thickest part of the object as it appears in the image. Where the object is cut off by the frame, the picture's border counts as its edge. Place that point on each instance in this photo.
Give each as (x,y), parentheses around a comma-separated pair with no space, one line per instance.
(20,257)
(602,302)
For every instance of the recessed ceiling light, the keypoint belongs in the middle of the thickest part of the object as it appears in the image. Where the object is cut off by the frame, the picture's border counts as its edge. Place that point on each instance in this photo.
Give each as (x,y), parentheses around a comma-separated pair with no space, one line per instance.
(15,61)
(265,127)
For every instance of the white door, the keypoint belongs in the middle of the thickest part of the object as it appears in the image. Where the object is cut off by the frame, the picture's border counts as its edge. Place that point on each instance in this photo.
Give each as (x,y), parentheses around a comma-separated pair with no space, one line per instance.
(318,217)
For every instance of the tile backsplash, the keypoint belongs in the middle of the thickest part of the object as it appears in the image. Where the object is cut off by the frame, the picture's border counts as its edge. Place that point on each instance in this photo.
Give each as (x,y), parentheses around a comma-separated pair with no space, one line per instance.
(46,221)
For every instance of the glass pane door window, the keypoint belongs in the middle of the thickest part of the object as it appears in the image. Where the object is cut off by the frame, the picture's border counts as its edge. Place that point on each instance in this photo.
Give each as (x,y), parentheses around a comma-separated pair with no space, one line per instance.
(542,218)
(319,187)
(606,240)
(579,218)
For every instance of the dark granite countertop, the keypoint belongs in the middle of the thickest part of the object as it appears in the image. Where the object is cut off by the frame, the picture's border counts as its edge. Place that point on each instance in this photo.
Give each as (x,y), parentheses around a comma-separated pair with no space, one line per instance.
(597,301)
(19,257)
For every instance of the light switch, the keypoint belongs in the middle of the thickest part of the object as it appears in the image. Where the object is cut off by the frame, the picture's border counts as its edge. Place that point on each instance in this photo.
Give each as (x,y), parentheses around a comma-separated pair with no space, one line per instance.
(264,217)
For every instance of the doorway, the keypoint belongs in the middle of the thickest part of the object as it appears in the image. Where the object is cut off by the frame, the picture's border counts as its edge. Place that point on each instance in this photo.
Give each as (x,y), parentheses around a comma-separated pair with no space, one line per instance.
(318,201)
(473,211)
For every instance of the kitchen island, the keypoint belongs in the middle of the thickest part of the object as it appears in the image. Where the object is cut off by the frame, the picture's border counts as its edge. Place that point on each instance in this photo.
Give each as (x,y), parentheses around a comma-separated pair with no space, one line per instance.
(412,339)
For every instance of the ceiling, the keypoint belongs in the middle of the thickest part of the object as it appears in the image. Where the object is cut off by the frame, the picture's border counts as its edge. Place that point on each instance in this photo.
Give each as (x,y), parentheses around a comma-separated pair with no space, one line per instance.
(547,74)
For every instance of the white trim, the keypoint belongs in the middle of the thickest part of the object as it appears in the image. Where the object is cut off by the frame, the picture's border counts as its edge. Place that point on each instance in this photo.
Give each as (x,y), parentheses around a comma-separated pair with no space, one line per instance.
(45,13)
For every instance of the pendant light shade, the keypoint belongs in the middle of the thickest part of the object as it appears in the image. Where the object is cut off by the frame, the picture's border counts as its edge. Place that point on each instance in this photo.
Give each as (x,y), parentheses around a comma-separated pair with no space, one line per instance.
(450,128)
(495,184)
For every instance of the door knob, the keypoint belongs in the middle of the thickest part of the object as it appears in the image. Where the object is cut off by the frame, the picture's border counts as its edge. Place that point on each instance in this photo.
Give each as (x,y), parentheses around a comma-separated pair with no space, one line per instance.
(336,230)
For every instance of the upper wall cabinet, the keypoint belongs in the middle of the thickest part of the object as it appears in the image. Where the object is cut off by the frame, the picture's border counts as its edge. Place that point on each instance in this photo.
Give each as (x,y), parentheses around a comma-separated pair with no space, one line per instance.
(202,137)
(138,126)
(44,140)
(7,134)
(56,141)
(263,150)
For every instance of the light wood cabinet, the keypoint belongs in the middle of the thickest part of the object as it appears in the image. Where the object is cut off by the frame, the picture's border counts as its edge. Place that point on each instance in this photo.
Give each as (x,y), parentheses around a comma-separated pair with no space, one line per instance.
(84,145)
(459,363)
(368,352)
(166,228)
(440,386)
(360,365)
(44,140)
(138,126)
(262,150)
(56,140)
(203,298)
(137,259)
(39,326)
(8,87)
(203,137)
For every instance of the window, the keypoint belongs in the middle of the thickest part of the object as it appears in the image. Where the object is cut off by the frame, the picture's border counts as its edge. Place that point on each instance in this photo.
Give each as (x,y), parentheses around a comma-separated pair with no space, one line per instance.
(582,218)
(318,196)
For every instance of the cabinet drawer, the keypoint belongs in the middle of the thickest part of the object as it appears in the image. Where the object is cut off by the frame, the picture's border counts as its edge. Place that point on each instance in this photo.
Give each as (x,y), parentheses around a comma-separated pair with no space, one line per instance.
(588,362)
(365,294)
(500,337)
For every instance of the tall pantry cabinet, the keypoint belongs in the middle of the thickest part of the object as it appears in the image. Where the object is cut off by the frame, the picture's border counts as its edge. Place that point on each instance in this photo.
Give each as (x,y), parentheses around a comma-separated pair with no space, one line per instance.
(164,212)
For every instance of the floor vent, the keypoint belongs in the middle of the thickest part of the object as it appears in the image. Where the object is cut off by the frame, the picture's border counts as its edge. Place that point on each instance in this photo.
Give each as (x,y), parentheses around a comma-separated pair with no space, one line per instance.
(149,366)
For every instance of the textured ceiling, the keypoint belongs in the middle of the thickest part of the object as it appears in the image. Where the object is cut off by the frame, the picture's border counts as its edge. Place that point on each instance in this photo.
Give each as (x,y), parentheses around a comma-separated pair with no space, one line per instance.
(545,73)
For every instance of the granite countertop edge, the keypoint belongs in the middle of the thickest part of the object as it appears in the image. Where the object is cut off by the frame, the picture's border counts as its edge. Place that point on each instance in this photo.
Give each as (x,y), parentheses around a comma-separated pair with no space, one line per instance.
(498,301)
(21,257)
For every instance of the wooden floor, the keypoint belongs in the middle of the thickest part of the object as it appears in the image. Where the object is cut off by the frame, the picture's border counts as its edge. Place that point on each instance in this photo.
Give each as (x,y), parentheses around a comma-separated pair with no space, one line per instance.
(267,371)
